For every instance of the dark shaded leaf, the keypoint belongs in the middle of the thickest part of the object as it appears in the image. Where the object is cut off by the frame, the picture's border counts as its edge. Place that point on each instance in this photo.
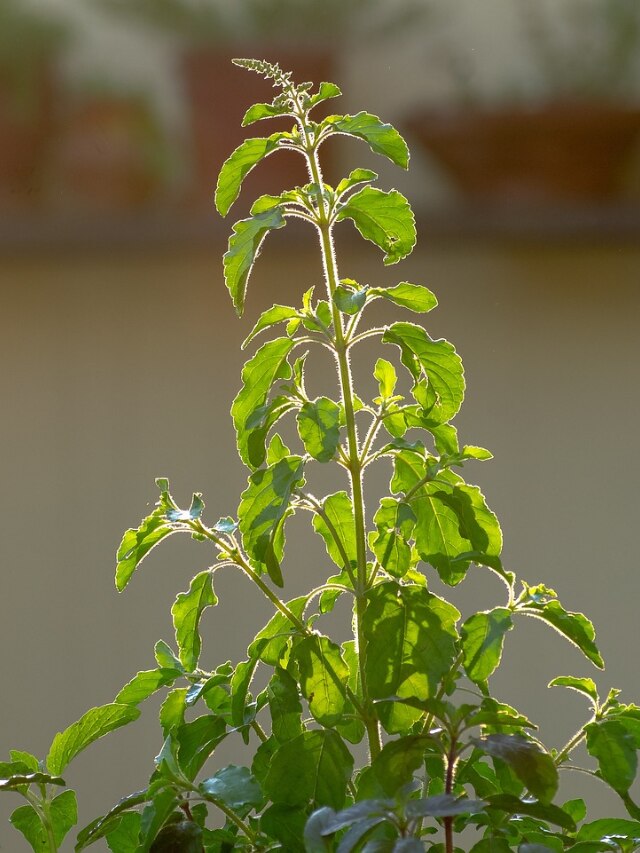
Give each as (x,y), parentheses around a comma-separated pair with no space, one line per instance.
(234,786)
(542,811)
(323,676)
(614,747)
(535,768)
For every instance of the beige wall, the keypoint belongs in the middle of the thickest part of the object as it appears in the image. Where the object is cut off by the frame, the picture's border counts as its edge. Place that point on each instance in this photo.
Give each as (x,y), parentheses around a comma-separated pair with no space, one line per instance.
(118,367)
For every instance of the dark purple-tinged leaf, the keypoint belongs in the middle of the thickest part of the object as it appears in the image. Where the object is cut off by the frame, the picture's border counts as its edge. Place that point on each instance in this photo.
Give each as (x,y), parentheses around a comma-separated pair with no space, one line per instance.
(535,769)
(385,219)
(244,246)
(186,611)
(482,641)
(614,747)
(93,725)
(381,137)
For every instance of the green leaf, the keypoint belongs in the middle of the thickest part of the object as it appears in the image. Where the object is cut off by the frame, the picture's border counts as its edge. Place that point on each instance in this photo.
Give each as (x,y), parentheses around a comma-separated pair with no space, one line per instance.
(415,297)
(349,300)
(258,375)
(443,805)
(324,93)
(482,641)
(196,741)
(394,521)
(137,543)
(535,769)
(437,361)
(186,611)
(155,816)
(385,219)
(612,744)
(398,761)
(284,705)
(96,723)
(234,786)
(410,646)
(263,506)
(319,428)
(238,165)
(123,838)
(323,676)
(172,709)
(581,685)
(381,137)
(257,112)
(286,825)
(339,511)
(240,683)
(385,373)
(357,176)
(543,604)
(244,245)
(608,827)
(63,814)
(269,643)
(144,684)
(26,758)
(542,811)
(165,657)
(313,767)
(271,317)
(18,779)
(103,826)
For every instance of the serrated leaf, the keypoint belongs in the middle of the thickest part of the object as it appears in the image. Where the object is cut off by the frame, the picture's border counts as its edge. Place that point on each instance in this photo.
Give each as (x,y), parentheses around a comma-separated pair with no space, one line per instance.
(323,675)
(264,505)
(384,218)
(581,685)
(271,317)
(313,767)
(96,723)
(394,521)
(144,684)
(542,811)
(381,137)
(124,836)
(186,612)
(535,769)
(415,297)
(339,511)
(165,657)
(234,786)
(410,647)
(238,165)
(137,543)
(258,375)
(244,245)
(319,428)
(438,361)
(613,746)
(574,626)
(482,641)
(63,814)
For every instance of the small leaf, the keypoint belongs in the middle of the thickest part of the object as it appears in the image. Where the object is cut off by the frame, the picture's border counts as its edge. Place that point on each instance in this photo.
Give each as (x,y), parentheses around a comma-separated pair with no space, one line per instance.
(535,768)
(196,740)
(244,245)
(270,643)
(313,767)
(582,685)
(165,657)
(443,805)
(338,509)
(348,300)
(614,747)
(144,684)
(385,373)
(356,177)
(381,137)
(93,725)
(238,165)
(482,641)
(186,611)
(137,543)
(233,786)
(385,219)
(324,93)
(415,297)
(319,428)
(257,112)
(258,375)
(394,521)
(271,317)
(323,674)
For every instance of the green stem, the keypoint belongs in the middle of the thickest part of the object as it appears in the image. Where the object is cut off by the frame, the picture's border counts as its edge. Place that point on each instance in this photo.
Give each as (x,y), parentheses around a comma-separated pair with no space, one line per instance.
(571,744)
(41,808)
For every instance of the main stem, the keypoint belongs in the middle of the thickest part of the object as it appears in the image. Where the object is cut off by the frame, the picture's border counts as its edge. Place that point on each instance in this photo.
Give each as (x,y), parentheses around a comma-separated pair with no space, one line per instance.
(354,456)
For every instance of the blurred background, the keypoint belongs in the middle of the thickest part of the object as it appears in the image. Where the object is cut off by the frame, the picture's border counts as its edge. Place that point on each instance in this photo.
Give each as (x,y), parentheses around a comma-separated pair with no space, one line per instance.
(120,348)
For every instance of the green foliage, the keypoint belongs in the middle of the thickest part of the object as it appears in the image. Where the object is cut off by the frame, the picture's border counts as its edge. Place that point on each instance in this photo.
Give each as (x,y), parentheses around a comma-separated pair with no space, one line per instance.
(413,680)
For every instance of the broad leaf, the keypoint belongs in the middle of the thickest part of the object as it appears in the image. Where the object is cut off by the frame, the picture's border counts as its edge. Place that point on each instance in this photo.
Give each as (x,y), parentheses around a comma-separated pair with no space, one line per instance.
(596,830)
(443,805)
(319,428)
(482,641)
(234,786)
(186,611)
(398,761)
(437,361)
(144,684)
(614,747)
(415,297)
(238,165)
(410,646)
(394,521)
(196,741)
(286,825)
(258,375)
(385,219)
(313,767)
(381,137)
(102,826)
(263,506)
(124,836)
(63,813)
(535,769)
(93,725)
(244,245)
(285,706)
(257,112)
(323,676)
(542,811)
(338,527)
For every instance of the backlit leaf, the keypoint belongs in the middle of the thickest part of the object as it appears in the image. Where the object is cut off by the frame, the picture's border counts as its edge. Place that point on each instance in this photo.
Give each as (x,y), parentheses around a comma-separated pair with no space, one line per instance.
(144,684)
(63,812)
(385,219)
(238,165)
(614,747)
(234,786)
(186,611)
(137,543)
(284,705)
(381,137)
(323,675)
(339,512)
(482,641)
(535,769)
(271,317)
(581,685)
(415,297)
(319,428)
(93,725)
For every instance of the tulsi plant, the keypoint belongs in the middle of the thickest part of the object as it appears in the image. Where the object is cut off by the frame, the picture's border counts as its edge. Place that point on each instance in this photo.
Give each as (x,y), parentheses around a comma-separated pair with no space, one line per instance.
(389,742)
